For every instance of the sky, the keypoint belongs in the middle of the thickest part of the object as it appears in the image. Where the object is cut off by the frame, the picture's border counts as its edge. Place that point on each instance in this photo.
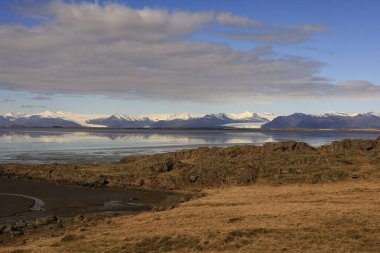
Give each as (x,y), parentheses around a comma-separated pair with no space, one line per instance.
(139,57)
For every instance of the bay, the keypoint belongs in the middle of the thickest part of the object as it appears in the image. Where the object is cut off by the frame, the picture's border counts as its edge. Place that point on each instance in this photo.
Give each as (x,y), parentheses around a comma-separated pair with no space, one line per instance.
(49,145)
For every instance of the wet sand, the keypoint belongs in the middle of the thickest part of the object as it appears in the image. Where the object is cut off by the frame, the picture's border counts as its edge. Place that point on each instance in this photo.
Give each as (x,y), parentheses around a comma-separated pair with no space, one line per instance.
(65,200)
(11,205)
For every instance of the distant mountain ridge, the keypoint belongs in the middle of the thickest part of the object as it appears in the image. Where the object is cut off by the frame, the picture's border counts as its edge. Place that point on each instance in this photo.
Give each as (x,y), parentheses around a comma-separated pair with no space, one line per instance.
(36,121)
(179,120)
(330,120)
(326,121)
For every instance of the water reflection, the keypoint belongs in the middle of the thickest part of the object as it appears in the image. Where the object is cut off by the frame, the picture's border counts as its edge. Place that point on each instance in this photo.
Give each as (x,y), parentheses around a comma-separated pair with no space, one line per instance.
(105,145)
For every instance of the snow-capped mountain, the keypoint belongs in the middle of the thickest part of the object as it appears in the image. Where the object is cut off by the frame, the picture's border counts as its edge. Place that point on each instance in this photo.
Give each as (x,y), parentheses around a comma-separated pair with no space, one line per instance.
(339,114)
(329,120)
(179,120)
(139,121)
(46,119)
(14,115)
(326,121)
(182,120)
(35,121)
(251,116)
(81,119)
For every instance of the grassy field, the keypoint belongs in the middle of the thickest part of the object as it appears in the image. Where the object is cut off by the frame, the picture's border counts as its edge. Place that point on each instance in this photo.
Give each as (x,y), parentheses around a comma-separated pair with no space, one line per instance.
(335,217)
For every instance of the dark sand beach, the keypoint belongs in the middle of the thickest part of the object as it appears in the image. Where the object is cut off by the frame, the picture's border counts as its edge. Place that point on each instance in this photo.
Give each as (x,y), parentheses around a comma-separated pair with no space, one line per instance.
(11,204)
(18,198)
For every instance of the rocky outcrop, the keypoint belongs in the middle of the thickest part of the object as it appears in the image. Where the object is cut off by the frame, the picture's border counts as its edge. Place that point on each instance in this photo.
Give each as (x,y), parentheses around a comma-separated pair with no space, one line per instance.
(288,146)
(283,162)
(353,146)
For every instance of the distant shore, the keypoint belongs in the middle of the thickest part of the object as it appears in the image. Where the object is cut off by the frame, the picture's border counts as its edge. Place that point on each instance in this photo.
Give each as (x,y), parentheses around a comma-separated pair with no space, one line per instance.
(195,129)
(276,162)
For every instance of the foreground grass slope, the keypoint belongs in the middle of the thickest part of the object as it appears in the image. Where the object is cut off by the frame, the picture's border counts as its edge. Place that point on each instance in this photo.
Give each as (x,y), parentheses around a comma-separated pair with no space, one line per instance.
(333,217)
(275,163)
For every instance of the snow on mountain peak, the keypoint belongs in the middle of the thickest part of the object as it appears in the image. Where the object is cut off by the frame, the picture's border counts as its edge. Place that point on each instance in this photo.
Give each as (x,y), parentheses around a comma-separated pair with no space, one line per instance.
(249,115)
(83,119)
(239,116)
(14,115)
(341,114)
(157,117)
(75,117)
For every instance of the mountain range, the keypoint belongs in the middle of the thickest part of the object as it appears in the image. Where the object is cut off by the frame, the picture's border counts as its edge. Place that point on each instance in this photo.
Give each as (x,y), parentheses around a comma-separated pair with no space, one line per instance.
(187,120)
(326,121)
(181,120)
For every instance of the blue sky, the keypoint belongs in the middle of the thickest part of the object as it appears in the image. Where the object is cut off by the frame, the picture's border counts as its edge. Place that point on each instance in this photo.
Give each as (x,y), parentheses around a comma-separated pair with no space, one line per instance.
(316,56)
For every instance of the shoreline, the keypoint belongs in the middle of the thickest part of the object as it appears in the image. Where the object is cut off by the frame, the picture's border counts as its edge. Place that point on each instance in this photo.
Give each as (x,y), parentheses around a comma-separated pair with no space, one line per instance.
(37,203)
(159,172)
(194,129)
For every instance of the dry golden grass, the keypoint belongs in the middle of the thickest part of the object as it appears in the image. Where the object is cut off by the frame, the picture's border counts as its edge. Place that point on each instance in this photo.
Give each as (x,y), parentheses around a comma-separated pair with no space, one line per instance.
(336,217)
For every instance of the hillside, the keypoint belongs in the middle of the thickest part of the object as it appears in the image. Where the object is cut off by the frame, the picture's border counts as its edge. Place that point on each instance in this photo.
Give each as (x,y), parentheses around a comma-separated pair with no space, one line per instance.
(326,121)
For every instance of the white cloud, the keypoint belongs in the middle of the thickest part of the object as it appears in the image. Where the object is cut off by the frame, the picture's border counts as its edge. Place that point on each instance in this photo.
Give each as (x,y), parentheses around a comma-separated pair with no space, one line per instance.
(227,18)
(276,33)
(118,51)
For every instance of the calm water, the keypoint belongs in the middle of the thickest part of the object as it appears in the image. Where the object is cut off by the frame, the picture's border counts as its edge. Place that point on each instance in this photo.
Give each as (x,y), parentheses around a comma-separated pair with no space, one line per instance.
(102,145)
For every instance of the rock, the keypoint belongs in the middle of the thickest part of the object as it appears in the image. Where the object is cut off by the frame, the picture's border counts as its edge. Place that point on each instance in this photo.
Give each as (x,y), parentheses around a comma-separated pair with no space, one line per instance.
(159,208)
(353,145)
(51,219)
(17,232)
(38,222)
(286,146)
(20,224)
(183,199)
(103,182)
(193,178)
(167,166)
(141,182)
(355,176)
(9,228)
(78,218)
(46,220)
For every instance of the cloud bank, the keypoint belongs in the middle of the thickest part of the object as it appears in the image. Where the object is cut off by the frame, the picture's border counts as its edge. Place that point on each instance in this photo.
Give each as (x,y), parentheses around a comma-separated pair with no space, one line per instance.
(120,52)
